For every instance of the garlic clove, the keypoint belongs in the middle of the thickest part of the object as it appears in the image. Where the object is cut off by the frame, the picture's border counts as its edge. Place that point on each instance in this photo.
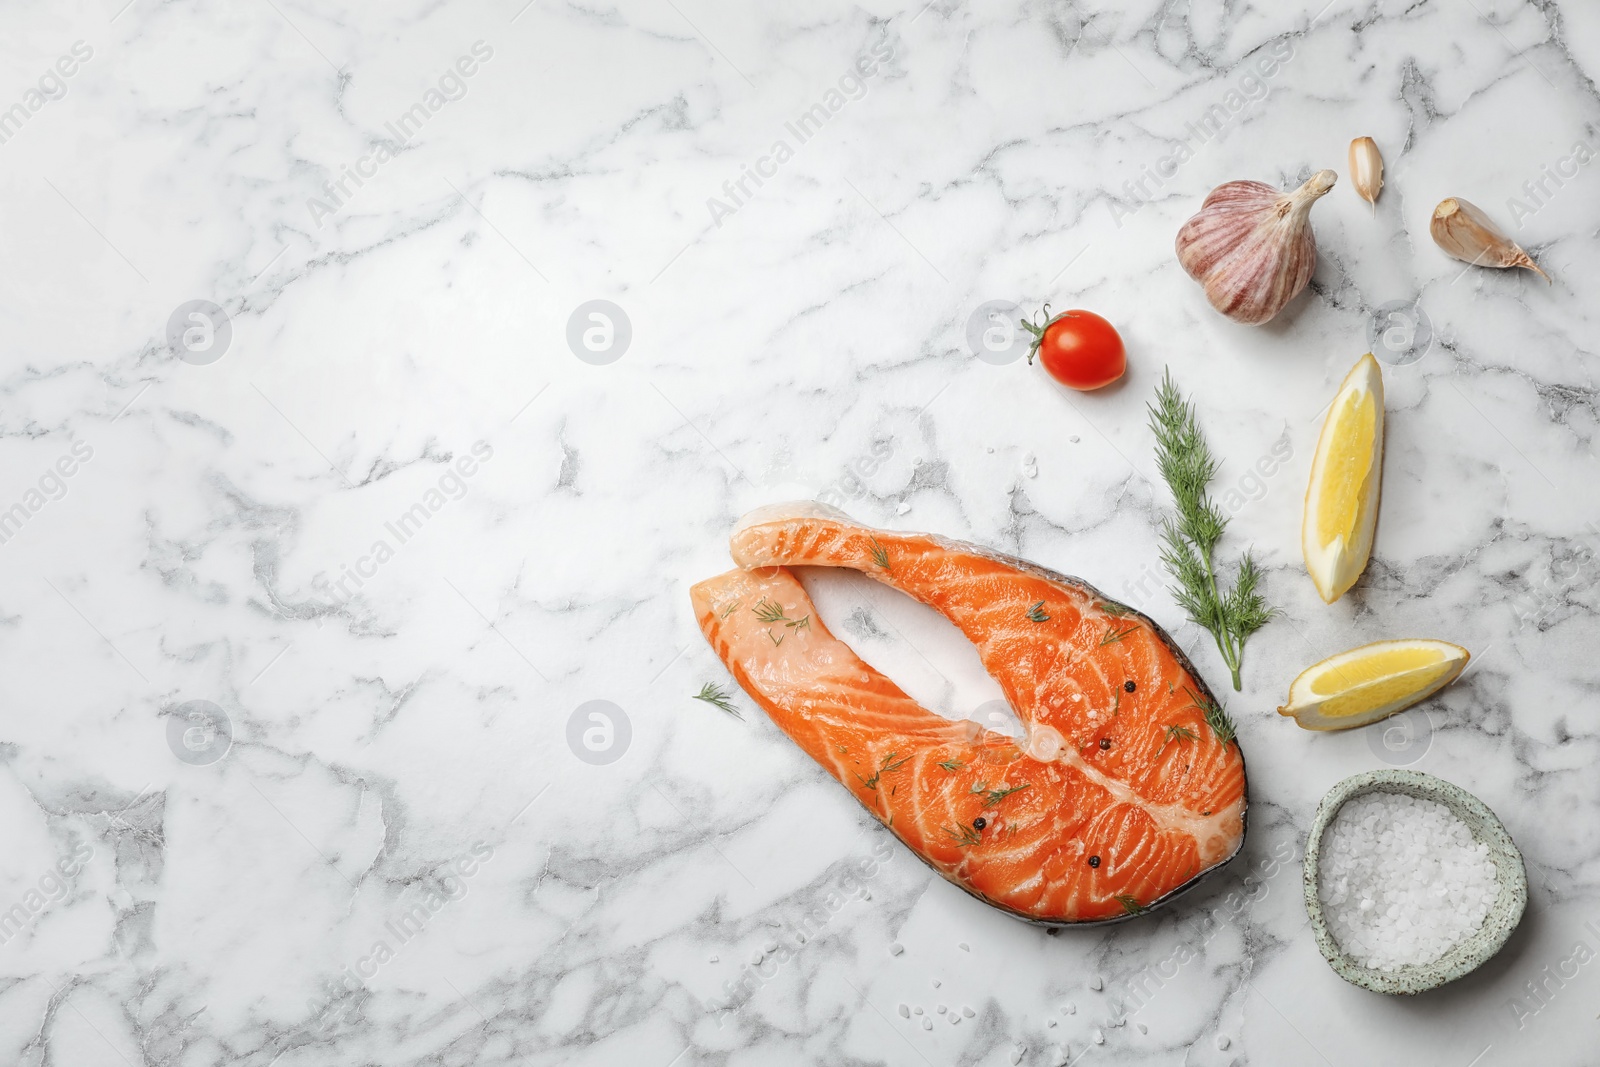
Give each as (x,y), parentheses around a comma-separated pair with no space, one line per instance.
(1366,170)
(1463,230)
(1251,246)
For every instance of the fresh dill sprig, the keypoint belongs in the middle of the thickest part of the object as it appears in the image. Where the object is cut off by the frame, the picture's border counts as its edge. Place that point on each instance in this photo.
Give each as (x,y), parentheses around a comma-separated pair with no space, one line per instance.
(1189,539)
(769,612)
(1036,613)
(1129,905)
(1217,717)
(991,797)
(1115,610)
(951,764)
(1113,635)
(718,697)
(966,837)
(1176,732)
(888,766)
(880,555)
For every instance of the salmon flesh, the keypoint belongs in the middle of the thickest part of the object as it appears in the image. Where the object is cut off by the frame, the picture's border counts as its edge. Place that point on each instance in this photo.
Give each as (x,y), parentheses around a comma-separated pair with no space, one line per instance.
(1128,786)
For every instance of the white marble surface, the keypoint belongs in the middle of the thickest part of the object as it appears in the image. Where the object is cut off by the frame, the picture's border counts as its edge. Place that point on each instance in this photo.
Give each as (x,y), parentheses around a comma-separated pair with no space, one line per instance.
(384,734)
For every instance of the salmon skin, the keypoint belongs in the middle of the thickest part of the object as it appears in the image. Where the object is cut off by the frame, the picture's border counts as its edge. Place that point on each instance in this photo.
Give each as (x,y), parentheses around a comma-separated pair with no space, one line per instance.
(1124,792)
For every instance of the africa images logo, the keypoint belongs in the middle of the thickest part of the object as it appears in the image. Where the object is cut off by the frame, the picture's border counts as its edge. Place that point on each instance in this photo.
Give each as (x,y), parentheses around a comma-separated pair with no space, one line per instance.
(453,484)
(851,85)
(450,87)
(52,86)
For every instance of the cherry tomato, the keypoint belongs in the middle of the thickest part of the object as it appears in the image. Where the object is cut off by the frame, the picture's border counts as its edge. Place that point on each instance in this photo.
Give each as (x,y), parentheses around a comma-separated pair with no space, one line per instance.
(1079,348)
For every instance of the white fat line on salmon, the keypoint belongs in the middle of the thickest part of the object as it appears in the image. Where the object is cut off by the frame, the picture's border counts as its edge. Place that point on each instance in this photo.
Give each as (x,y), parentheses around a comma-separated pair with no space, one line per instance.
(800,929)
(1211,834)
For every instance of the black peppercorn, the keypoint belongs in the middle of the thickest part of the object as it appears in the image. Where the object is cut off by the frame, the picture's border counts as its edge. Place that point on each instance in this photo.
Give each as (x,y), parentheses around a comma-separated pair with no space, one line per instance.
(1094,861)
(1128,686)
(979,823)
(1105,742)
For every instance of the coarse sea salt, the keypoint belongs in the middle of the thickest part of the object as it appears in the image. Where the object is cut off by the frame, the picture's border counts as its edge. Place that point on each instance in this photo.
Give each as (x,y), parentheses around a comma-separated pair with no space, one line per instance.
(1402,880)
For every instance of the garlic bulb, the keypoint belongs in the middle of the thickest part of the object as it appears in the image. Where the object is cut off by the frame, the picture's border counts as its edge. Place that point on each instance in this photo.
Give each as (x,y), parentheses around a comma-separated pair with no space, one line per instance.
(1366,170)
(1251,246)
(1464,231)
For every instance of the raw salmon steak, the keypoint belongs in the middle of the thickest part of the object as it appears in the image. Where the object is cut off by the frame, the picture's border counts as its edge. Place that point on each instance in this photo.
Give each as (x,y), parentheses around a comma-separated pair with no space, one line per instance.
(1128,786)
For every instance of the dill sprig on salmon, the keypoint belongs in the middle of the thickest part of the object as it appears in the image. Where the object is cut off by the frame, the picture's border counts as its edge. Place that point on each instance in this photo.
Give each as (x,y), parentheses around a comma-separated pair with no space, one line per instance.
(1190,541)
(1177,732)
(1216,716)
(769,612)
(889,765)
(880,555)
(991,797)
(965,836)
(1113,635)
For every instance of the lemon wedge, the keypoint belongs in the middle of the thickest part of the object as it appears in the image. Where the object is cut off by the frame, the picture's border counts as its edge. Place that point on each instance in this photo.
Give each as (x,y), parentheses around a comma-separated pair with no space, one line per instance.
(1372,682)
(1342,500)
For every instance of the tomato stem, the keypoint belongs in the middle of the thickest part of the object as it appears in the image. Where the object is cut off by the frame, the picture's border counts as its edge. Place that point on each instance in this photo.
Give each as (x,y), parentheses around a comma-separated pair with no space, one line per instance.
(1037,329)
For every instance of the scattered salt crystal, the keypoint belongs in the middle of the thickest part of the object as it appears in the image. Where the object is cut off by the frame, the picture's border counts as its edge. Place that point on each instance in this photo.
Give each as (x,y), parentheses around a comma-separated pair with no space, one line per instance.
(715,959)
(1073,439)
(942,1009)
(1069,1008)
(927,1024)
(1099,1038)
(1143,1029)
(905,1012)
(1016,1056)
(1096,984)
(1050,1022)
(1223,1042)
(917,1009)
(896,948)
(936,983)
(968,1012)
(901,508)
(954,1018)
(964,947)
(1385,860)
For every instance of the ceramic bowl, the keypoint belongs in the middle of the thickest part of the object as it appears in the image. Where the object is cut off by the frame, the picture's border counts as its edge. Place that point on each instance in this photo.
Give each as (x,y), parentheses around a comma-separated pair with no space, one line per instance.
(1470,953)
